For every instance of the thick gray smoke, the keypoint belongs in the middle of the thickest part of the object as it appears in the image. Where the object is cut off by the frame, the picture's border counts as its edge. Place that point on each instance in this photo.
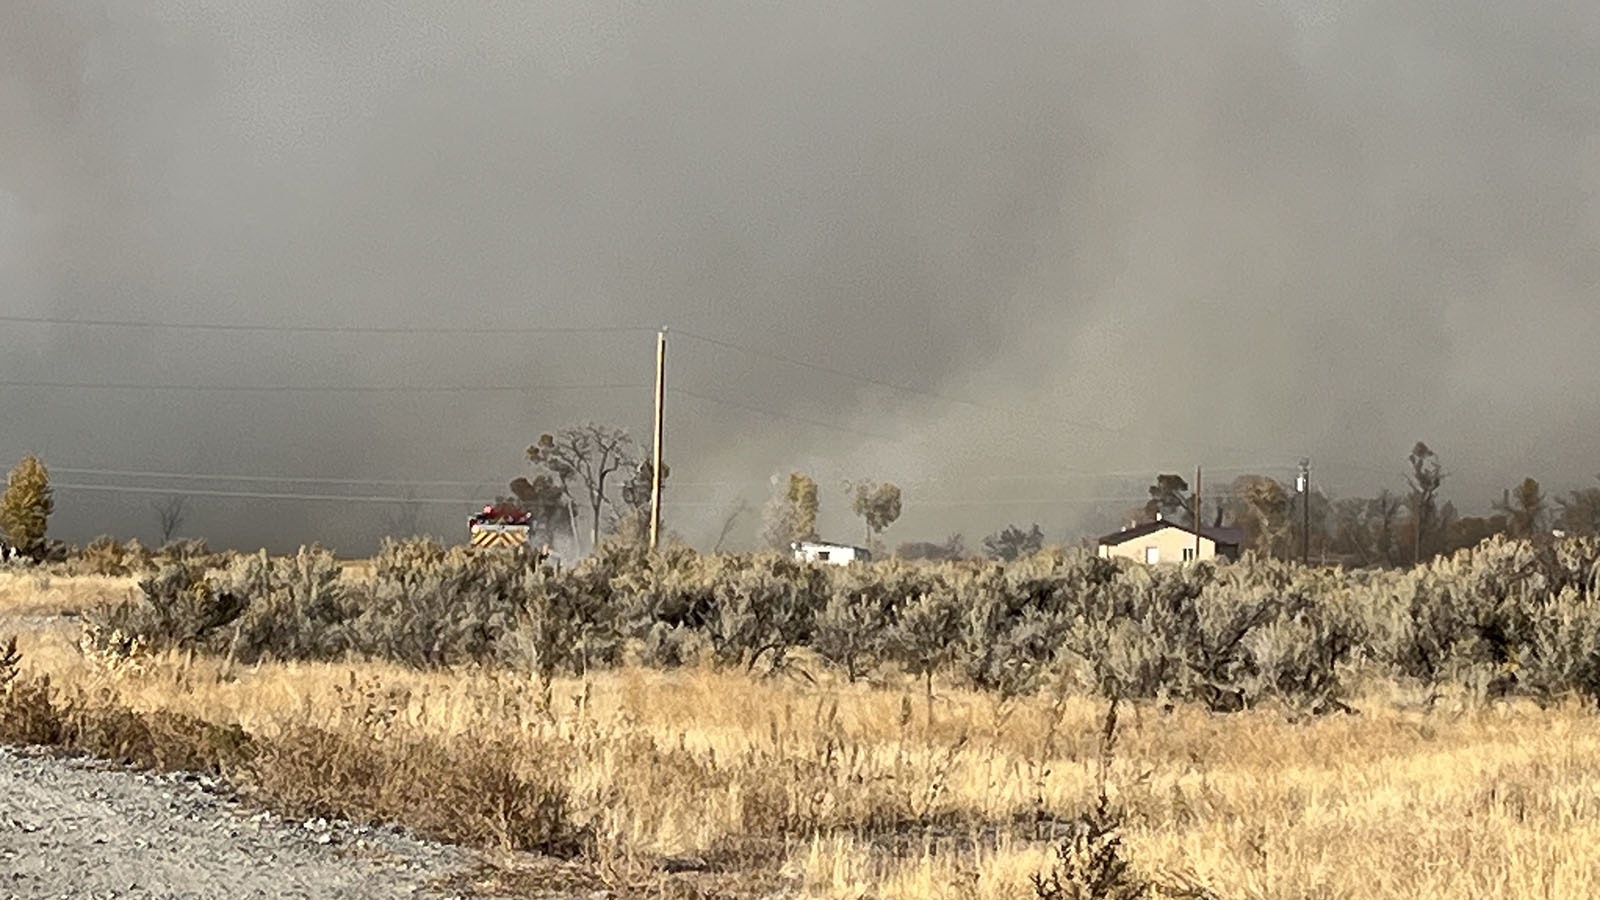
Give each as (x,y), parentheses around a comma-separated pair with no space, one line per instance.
(1099,239)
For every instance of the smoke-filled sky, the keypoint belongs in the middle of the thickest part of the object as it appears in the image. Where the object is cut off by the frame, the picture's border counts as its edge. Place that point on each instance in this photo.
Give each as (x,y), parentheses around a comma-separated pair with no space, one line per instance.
(1084,241)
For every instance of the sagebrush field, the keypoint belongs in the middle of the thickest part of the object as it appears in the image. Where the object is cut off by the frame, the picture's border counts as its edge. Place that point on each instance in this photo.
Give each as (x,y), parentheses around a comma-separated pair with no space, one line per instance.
(688,725)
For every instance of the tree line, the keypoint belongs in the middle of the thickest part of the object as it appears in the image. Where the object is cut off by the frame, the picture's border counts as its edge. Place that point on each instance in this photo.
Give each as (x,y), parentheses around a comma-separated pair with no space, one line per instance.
(594,478)
(594,473)
(1388,528)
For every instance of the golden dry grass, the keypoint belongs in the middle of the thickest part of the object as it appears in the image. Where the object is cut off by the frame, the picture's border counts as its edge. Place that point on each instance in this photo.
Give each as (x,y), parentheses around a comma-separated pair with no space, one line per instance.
(847,791)
(38,592)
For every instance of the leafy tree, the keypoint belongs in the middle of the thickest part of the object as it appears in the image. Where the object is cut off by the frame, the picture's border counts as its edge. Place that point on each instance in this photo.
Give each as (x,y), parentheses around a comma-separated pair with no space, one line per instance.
(546,504)
(878,505)
(802,498)
(1580,512)
(1169,497)
(583,459)
(1262,506)
(1524,509)
(791,515)
(1470,531)
(1012,543)
(1425,478)
(26,506)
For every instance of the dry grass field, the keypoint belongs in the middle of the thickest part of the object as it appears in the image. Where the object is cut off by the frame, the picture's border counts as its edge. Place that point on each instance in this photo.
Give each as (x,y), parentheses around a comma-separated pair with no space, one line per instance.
(802,784)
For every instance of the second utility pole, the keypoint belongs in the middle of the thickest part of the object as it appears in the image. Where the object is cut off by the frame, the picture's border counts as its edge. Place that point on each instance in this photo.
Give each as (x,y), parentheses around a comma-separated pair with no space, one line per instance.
(655,451)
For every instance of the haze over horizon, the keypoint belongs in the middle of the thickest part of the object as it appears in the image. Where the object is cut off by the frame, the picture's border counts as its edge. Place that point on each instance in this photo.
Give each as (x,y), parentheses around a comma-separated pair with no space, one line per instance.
(1083,242)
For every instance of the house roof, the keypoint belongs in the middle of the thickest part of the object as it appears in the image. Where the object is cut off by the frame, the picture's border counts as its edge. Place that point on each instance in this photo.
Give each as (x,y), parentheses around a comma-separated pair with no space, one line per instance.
(1229,536)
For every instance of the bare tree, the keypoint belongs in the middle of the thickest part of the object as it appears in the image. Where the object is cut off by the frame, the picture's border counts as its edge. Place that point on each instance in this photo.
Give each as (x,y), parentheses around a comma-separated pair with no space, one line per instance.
(1385,510)
(739,508)
(583,459)
(171,512)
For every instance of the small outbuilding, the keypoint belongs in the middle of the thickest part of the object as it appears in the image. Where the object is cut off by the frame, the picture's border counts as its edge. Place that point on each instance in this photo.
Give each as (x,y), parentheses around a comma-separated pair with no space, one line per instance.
(1164,541)
(835,554)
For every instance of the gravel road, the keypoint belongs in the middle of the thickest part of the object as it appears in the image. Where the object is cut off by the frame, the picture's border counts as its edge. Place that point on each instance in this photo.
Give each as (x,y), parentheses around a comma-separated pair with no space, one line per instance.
(76,828)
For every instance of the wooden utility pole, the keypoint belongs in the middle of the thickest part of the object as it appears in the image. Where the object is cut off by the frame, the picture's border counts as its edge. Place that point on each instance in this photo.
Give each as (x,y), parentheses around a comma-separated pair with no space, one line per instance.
(655,450)
(1199,514)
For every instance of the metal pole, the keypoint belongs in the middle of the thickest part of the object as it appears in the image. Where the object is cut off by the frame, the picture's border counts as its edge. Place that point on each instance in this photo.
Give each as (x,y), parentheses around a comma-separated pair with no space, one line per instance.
(655,453)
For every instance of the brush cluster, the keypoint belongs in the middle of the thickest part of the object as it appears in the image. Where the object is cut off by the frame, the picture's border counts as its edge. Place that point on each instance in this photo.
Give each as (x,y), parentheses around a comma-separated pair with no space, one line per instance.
(1508,617)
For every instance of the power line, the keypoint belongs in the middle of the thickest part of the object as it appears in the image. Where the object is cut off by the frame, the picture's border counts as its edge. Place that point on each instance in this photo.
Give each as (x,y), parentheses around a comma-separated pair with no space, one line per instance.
(923,392)
(196,476)
(532,330)
(1123,430)
(358,482)
(323,329)
(318,389)
(240,478)
(815,367)
(454,501)
(777,415)
(305,497)
(261,495)
(1025,501)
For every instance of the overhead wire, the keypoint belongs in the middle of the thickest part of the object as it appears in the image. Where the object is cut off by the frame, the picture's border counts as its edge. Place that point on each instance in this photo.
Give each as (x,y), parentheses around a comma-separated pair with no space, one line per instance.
(263,328)
(297,496)
(501,330)
(263,479)
(1122,430)
(515,388)
(321,388)
(775,414)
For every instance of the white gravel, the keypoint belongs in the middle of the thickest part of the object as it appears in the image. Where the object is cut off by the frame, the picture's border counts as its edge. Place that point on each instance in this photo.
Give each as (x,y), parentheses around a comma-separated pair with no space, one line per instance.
(74,828)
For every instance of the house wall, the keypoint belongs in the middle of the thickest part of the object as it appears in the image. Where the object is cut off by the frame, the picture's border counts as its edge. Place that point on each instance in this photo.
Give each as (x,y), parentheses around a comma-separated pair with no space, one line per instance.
(836,554)
(1169,543)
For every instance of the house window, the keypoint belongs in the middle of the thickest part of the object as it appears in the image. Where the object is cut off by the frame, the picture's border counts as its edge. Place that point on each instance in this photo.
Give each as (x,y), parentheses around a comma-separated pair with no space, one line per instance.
(1152,555)
(822,555)
(1188,554)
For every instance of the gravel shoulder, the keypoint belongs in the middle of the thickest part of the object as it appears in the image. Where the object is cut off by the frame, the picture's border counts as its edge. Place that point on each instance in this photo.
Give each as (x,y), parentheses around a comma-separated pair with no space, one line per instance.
(73,828)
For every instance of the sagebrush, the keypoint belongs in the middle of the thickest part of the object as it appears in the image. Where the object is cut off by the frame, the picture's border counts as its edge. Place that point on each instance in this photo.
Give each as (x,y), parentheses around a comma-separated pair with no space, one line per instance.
(1506,617)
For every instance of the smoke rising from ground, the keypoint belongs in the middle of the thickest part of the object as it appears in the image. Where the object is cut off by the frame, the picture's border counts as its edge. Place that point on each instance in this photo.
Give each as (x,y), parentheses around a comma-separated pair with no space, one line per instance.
(1129,236)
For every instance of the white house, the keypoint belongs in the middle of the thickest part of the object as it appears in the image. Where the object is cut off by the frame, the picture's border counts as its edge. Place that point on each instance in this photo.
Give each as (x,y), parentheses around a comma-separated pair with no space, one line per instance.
(1164,541)
(836,554)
